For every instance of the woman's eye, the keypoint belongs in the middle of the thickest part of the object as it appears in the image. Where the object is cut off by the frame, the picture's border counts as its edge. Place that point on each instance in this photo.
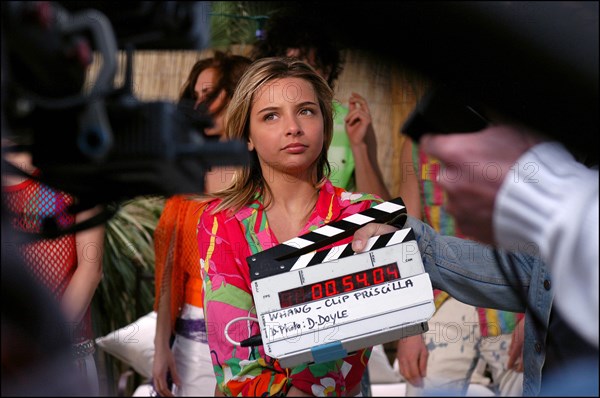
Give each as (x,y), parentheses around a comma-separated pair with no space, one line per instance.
(307,111)
(269,116)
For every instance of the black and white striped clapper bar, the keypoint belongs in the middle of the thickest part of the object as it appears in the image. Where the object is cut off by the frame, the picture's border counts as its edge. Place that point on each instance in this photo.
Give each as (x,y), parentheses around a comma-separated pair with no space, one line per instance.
(320,305)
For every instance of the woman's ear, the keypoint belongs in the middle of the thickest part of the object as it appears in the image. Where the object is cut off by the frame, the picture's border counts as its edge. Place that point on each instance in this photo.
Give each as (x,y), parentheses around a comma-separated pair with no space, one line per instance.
(250,145)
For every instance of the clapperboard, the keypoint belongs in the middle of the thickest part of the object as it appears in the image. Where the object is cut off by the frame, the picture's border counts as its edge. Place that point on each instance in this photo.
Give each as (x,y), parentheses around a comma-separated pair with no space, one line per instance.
(318,306)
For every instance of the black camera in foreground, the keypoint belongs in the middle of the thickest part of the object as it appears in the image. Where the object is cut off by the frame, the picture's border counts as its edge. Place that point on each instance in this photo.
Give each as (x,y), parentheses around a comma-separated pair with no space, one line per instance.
(99,144)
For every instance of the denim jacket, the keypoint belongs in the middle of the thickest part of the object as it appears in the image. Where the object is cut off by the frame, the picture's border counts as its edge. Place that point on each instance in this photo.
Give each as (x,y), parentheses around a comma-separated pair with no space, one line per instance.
(469,271)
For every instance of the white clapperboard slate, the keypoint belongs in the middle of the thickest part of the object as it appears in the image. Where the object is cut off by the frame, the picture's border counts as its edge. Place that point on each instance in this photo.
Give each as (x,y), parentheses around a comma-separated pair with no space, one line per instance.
(318,306)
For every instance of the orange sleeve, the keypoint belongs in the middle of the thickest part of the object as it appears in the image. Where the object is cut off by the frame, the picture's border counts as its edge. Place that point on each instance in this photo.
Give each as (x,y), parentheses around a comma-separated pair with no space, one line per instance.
(176,253)
(188,258)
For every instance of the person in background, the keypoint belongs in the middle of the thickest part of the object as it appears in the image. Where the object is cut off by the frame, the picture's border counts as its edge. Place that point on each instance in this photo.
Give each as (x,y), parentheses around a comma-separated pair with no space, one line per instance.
(437,361)
(178,299)
(69,266)
(207,91)
(353,150)
(283,193)
(36,347)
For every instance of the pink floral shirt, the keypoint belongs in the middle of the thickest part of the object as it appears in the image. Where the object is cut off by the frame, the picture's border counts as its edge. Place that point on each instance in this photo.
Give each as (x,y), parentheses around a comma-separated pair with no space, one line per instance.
(225,241)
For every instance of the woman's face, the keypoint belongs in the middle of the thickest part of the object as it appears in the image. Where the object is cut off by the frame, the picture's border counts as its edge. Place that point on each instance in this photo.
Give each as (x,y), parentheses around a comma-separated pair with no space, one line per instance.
(207,79)
(286,127)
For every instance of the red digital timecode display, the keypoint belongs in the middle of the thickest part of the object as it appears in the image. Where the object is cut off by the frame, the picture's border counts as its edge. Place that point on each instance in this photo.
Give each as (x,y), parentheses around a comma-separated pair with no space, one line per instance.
(339,285)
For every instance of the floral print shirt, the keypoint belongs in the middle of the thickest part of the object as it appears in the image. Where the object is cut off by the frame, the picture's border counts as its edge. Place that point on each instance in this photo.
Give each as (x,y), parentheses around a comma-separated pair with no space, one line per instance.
(225,240)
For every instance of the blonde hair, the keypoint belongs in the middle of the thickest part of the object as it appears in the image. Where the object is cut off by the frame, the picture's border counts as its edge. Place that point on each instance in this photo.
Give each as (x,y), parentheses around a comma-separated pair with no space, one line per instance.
(249,181)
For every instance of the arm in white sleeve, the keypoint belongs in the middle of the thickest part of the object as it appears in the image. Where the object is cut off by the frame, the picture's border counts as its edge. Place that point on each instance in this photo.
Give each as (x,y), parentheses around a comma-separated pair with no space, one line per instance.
(550,203)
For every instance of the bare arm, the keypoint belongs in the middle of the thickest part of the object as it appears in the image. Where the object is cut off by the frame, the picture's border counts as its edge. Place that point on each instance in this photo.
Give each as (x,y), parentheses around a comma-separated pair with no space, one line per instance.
(164,360)
(515,351)
(87,276)
(89,246)
(363,142)
(411,351)
(409,187)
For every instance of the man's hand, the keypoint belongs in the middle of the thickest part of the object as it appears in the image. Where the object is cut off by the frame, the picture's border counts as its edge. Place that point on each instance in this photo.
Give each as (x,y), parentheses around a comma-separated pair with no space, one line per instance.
(475,166)
(412,359)
(368,231)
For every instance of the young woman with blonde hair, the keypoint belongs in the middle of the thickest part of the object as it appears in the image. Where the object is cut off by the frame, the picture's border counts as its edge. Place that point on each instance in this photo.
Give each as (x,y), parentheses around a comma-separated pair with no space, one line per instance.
(282,109)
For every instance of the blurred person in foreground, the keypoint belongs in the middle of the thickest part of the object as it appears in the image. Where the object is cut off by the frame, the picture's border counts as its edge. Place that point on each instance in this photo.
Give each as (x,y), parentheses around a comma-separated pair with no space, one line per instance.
(70,265)
(562,223)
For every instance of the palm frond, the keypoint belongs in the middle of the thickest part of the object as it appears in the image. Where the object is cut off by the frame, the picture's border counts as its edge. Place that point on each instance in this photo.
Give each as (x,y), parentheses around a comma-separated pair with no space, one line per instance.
(128,255)
(236,22)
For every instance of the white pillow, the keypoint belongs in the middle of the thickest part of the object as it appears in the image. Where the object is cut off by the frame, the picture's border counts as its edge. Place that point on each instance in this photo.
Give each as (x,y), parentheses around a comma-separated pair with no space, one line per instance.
(380,370)
(133,344)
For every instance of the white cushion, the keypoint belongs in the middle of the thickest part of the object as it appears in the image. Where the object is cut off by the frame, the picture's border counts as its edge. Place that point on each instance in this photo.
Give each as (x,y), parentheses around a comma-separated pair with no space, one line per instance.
(380,370)
(477,390)
(144,390)
(133,344)
(388,389)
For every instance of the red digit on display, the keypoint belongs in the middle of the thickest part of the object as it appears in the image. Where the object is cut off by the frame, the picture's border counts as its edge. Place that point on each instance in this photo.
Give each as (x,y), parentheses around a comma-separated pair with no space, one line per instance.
(317,291)
(284,298)
(330,289)
(362,279)
(299,297)
(348,284)
(378,276)
(392,271)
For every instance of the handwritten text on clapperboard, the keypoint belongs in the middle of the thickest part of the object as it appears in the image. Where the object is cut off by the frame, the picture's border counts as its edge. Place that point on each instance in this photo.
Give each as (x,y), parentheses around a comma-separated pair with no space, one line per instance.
(337,310)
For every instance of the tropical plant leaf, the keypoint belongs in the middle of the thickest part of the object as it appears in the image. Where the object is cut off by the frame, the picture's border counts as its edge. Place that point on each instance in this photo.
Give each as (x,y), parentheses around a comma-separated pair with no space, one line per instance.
(128,265)
(236,22)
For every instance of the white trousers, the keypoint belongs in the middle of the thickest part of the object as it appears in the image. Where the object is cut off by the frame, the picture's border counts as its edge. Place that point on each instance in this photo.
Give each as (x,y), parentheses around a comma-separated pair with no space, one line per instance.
(193,361)
(87,367)
(456,347)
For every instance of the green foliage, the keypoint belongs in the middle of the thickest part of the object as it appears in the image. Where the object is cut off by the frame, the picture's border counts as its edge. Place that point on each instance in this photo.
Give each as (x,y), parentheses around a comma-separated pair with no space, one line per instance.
(236,22)
(128,259)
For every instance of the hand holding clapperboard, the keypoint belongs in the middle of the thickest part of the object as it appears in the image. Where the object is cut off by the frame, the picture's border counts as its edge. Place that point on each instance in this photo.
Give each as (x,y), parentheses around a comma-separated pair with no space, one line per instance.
(321,306)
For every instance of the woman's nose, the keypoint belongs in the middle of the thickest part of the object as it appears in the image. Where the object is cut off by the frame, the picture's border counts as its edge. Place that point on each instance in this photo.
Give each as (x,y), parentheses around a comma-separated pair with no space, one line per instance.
(294,127)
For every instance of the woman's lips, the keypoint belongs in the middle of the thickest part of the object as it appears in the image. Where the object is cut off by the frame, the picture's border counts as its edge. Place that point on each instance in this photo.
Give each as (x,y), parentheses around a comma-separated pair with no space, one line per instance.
(295,148)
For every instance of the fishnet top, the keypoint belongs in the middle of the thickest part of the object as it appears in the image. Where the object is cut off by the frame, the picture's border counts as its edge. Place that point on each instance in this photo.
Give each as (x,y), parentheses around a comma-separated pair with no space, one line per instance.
(176,254)
(51,261)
